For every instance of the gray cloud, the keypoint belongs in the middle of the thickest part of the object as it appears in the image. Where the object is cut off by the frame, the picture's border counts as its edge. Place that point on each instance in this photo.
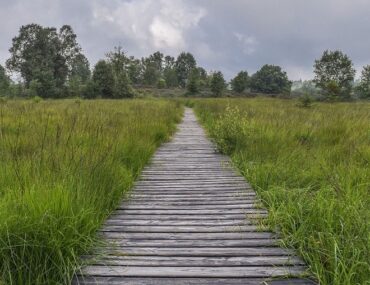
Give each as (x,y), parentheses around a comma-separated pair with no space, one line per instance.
(224,35)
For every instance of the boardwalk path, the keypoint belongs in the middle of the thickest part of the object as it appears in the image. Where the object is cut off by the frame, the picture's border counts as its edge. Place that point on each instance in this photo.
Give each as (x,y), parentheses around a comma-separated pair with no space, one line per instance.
(190,221)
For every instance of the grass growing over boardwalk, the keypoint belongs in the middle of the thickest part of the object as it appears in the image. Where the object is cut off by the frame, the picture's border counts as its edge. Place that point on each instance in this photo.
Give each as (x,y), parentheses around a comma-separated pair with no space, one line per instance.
(64,165)
(312,168)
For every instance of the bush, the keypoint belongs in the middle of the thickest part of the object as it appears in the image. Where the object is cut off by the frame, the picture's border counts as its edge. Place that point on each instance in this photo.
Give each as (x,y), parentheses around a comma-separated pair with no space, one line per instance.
(305,101)
(161,83)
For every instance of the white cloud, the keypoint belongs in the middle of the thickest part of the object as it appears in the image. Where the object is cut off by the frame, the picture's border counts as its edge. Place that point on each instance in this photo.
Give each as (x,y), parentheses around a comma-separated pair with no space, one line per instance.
(248,43)
(159,24)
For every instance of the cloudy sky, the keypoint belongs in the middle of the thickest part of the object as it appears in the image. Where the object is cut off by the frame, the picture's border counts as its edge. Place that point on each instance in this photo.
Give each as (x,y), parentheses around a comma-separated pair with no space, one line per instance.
(226,35)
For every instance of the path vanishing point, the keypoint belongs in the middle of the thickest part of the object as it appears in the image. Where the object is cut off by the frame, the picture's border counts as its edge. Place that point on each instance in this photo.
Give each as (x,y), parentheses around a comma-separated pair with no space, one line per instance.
(191,219)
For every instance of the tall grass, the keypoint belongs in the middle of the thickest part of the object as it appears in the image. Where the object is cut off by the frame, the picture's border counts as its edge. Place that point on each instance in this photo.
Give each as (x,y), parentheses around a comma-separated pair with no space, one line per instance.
(64,165)
(311,167)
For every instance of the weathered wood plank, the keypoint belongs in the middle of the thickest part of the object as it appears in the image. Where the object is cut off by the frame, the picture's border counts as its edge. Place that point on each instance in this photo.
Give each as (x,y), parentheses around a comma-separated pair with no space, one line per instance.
(99,280)
(185,207)
(189,236)
(179,229)
(123,222)
(194,243)
(217,272)
(192,212)
(198,261)
(209,217)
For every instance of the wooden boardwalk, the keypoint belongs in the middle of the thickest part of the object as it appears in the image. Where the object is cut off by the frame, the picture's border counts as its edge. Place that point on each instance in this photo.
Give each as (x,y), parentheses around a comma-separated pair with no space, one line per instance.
(191,220)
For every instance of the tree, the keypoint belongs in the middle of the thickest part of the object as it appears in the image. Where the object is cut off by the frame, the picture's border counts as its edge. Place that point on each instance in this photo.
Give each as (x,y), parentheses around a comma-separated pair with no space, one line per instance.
(103,79)
(4,81)
(203,77)
(169,72)
(218,83)
(118,60)
(193,83)
(240,82)
(91,90)
(185,62)
(270,79)
(80,69)
(135,70)
(364,86)
(120,63)
(334,74)
(44,55)
(122,86)
(153,68)
(69,48)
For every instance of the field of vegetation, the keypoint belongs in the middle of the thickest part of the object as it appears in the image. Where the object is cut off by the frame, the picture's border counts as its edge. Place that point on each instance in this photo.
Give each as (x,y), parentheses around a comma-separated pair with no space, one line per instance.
(64,166)
(311,166)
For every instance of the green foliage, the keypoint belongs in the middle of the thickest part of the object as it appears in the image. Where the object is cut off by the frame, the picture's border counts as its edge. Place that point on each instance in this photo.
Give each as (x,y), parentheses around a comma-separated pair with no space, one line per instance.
(64,166)
(193,82)
(270,79)
(119,62)
(103,79)
(310,167)
(184,64)
(334,74)
(161,83)
(218,83)
(153,67)
(80,69)
(46,55)
(240,82)
(4,82)
(134,70)
(90,91)
(305,101)
(364,87)
(122,87)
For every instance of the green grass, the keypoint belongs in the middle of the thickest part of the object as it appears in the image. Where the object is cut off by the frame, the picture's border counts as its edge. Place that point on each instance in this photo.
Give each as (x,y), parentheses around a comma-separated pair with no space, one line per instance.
(64,166)
(311,167)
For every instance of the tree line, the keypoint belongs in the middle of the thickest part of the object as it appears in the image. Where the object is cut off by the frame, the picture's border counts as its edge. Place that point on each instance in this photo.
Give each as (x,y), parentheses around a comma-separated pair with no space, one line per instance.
(51,64)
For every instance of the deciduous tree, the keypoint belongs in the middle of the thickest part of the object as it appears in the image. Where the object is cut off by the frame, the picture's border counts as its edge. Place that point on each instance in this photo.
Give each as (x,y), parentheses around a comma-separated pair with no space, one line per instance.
(103,79)
(4,81)
(240,82)
(193,83)
(218,83)
(334,74)
(270,79)
(185,62)
(364,87)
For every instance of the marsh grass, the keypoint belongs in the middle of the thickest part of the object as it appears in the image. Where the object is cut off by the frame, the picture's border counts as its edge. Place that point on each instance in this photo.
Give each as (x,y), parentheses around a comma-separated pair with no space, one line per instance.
(311,167)
(64,166)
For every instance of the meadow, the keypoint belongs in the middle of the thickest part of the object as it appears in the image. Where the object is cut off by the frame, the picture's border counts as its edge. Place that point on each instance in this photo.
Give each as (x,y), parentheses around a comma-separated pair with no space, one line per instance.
(64,166)
(311,167)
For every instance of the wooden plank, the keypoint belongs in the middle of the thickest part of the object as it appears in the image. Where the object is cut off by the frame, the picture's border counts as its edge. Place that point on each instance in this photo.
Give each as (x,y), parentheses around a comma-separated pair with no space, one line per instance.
(185,207)
(192,212)
(179,229)
(188,236)
(193,243)
(190,251)
(163,217)
(190,193)
(165,202)
(123,222)
(198,261)
(109,280)
(217,272)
